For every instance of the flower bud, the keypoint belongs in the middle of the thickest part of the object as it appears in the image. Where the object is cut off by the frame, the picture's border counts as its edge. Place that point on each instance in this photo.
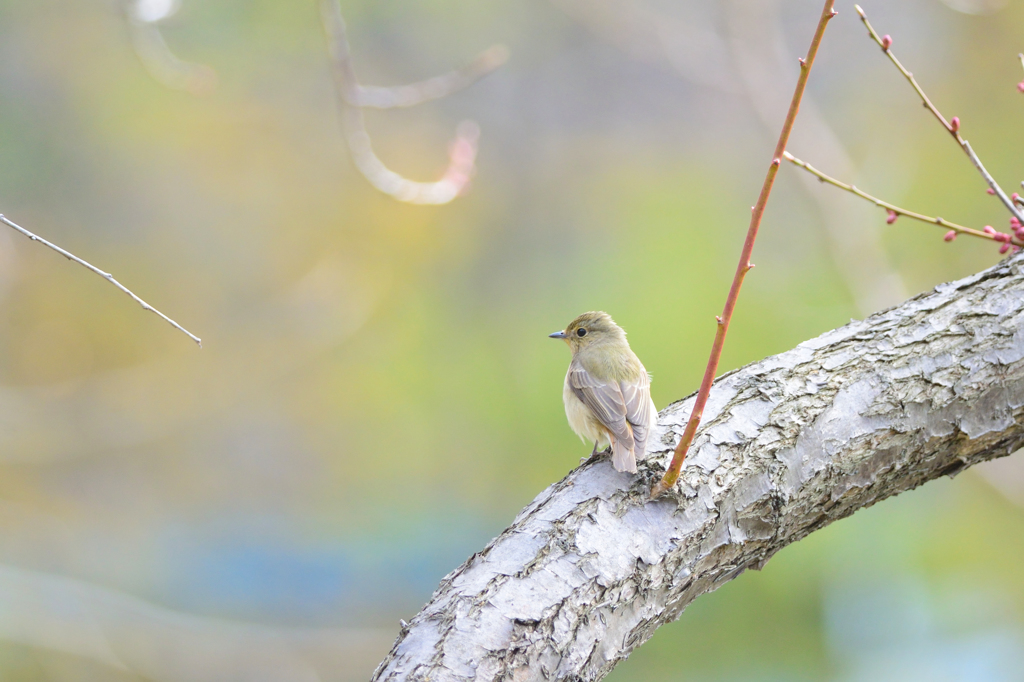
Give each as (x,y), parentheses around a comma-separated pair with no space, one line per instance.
(1004,248)
(990,191)
(1020,86)
(954,124)
(988,229)
(886,42)
(950,236)
(891,218)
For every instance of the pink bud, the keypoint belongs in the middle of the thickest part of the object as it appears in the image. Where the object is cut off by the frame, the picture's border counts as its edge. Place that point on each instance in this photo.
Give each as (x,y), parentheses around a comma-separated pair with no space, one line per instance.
(1001,237)
(950,236)
(990,191)
(988,229)
(1004,248)
(1020,86)
(886,42)
(954,124)
(1014,223)
(892,218)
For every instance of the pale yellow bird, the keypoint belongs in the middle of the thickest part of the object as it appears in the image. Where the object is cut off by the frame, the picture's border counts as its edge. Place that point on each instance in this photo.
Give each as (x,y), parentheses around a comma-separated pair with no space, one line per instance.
(607,391)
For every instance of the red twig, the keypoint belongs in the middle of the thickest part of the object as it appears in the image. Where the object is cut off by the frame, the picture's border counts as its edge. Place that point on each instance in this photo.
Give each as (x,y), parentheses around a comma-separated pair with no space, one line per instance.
(952,126)
(744,266)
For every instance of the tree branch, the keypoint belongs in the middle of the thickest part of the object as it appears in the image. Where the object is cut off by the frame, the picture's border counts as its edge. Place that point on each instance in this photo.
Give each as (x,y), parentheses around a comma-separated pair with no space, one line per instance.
(105,275)
(591,568)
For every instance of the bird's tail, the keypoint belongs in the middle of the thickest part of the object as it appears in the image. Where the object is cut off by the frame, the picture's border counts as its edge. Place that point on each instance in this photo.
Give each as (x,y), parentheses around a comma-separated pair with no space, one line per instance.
(623,458)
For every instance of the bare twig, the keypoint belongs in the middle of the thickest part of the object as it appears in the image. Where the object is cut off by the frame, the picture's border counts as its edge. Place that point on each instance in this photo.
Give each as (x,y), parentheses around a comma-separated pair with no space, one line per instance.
(952,127)
(353,97)
(744,266)
(156,56)
(941,222)
(105,275)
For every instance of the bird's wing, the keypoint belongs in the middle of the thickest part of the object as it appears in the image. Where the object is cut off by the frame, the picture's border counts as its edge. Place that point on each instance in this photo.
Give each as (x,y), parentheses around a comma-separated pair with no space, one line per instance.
(605,400)
(640,411)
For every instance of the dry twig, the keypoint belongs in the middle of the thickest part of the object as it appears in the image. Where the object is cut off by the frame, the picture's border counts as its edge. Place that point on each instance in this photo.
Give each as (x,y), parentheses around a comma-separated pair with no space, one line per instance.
(105,275)
(354,97)
(744,266)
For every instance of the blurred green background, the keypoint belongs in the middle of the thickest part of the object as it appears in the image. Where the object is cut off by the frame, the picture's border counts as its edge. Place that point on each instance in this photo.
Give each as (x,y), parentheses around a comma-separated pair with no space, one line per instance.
(376,396)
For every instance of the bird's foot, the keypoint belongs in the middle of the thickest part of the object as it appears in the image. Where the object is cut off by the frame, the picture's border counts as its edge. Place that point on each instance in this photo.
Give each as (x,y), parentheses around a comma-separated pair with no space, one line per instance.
(595,453)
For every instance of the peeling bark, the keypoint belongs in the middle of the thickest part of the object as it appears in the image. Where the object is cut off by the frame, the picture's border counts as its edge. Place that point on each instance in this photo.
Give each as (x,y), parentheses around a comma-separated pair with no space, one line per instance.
(591,567)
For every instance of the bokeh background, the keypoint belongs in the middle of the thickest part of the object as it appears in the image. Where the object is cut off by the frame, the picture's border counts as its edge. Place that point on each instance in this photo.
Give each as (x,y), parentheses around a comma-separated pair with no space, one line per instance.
(376,396)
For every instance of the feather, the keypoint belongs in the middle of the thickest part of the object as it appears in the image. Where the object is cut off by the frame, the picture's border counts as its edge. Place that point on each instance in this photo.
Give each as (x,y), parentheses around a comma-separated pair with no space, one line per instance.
(624,408)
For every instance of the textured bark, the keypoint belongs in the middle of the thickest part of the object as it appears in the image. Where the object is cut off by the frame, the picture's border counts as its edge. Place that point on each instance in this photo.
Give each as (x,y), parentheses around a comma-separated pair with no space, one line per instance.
(789,444)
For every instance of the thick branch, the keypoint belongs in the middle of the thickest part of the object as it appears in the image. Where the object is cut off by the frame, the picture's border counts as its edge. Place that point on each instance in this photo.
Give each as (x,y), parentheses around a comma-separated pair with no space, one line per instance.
(591,567)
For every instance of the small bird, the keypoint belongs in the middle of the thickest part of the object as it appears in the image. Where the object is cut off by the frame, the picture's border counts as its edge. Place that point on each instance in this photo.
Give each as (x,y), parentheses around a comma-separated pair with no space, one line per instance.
(607,391)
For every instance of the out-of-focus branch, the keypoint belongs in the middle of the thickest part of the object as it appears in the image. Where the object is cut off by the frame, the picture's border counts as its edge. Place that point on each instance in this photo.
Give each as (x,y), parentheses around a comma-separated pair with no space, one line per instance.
(952,126)
(143,17)
(744,266)
(105,275)
(57,613)
(353,97)
(397,96)
(995,236)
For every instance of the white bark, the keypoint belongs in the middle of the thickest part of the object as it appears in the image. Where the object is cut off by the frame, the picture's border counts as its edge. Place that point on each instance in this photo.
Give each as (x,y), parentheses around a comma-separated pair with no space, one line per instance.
(591,568)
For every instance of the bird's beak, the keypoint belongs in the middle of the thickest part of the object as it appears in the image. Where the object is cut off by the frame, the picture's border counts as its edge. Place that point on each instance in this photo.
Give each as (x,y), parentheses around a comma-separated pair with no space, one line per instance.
(557,335)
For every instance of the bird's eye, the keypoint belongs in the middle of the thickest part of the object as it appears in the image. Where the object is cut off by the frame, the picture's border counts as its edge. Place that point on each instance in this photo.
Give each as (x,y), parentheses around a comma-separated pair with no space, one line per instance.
(581,332)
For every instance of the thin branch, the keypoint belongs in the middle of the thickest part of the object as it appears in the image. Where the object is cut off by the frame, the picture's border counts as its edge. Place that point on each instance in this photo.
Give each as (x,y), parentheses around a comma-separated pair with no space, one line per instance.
(352,97)
(952,127)
(105,275)
(942,222)
(744,266)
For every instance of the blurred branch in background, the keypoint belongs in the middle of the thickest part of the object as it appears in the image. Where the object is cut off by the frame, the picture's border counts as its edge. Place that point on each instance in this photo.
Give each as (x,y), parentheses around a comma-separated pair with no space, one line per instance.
(143,18)
(105,275)
(753,60)
(128,634)
(353,97)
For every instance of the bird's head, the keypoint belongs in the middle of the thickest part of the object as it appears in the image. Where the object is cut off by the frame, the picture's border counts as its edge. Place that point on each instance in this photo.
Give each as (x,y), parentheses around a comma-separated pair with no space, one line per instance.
(590,329)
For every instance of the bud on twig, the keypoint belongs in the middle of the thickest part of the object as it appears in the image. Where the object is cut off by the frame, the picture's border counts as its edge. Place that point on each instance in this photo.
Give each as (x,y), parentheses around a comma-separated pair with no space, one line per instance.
(1004,248)
(990,191)
(886,42)
(891,218)
(954,124)
(988,229)
(1020,86)
(950,236)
